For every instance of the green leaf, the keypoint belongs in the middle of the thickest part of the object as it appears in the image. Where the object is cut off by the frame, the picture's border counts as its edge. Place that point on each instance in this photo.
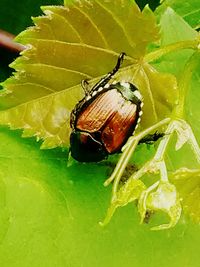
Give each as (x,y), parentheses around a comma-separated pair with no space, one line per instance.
(183,136)
(192,103)
(174,29)
(51,212)
(49,216)
(171,33)
(187,182)
(175,63)
(128,192)
(188,10)
(71,44)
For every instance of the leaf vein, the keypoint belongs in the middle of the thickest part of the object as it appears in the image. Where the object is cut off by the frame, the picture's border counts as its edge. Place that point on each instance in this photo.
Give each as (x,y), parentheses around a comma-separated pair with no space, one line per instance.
(71,26)
(34,84)
(150,94)
(62,69)
(83,45)
(95,26)
(118,22)
(191,13)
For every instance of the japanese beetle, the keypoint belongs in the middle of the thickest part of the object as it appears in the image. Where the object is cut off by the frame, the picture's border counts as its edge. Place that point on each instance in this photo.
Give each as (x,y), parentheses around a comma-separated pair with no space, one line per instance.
(105,118)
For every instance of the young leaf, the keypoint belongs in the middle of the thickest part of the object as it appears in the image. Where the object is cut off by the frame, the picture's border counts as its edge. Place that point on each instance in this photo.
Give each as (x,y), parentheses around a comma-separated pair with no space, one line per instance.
(188,10)
(129,192)
(174,29)
(72,43)
(187,182)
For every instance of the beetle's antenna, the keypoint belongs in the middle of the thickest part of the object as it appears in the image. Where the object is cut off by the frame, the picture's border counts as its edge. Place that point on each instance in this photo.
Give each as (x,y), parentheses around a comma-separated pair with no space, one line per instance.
(85,85)
(107,78)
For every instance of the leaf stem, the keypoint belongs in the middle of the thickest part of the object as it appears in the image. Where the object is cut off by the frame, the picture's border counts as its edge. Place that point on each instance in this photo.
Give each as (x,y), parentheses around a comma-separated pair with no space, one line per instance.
(164,142)
(127,153)
(163,171)
(123,162)
(157,162)
(190,44)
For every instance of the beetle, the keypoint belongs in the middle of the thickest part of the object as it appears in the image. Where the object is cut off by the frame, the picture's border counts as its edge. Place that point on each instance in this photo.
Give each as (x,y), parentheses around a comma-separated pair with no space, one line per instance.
(105,118)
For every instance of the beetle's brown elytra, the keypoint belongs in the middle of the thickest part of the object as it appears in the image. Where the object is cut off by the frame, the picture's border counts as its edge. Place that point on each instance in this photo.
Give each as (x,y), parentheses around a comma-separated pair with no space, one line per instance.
(105,118)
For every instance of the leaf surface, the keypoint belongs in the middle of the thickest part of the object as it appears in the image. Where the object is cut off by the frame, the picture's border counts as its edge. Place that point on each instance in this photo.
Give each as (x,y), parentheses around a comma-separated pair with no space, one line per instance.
(188,10)
(187,182)
(49,216)
(174,29)
(73,43)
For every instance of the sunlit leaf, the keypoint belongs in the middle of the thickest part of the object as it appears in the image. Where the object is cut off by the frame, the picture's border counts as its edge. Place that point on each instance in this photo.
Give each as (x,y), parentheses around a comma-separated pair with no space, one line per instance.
(72,43)
(49,213)
(192,110)
(188,10)
(183,135)
(187,182)
(174,29)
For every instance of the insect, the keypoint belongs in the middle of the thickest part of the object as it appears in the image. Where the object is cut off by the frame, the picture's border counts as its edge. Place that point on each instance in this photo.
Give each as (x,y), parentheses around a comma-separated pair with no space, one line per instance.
(105,118)
(150,139)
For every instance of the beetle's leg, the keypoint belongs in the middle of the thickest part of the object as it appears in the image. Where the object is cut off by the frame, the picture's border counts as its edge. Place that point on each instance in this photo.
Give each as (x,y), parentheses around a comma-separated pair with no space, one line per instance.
(151,138)
(85,86)
(107,78)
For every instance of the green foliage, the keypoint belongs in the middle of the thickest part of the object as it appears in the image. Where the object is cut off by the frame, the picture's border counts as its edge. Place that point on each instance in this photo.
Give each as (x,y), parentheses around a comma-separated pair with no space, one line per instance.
(187,182)
(188,10)
(53,82)
(49,216)
(57,207)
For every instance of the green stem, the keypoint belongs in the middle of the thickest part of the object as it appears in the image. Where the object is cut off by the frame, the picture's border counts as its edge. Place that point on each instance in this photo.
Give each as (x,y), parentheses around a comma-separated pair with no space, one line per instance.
(190,44)
(127,153)
(157,160)
(164,142)
(124,162)
(163,171)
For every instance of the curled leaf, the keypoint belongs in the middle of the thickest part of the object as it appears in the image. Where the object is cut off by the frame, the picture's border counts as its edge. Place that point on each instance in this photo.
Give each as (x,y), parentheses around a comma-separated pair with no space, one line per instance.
(129,192)
(165,199)
(183,134)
